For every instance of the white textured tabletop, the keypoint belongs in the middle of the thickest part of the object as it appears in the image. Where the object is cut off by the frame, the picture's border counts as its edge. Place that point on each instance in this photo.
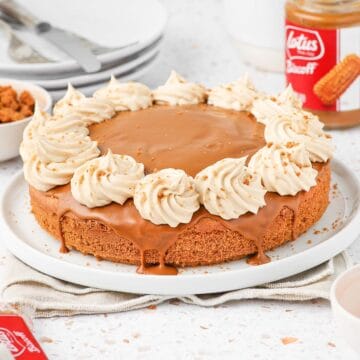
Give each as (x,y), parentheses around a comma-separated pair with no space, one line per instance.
(198,47)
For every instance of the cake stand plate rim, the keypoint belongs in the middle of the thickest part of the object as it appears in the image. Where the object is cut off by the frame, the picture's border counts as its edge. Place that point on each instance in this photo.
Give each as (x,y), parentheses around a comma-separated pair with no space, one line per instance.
(227,277)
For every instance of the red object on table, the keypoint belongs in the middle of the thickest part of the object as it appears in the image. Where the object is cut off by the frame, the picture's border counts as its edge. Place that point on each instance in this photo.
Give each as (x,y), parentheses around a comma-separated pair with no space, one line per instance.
(17,337)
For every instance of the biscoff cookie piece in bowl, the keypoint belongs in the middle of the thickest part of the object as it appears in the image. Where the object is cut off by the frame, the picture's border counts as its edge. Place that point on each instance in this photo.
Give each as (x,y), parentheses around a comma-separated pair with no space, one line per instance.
(18,100)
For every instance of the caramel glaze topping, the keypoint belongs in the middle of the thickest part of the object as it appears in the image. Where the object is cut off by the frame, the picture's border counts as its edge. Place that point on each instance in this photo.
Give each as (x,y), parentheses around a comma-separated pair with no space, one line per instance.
(186,137)
(183,137)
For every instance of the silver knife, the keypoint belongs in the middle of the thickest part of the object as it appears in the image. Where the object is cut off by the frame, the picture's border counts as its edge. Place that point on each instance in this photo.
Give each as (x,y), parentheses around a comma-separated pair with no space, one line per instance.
(69,44)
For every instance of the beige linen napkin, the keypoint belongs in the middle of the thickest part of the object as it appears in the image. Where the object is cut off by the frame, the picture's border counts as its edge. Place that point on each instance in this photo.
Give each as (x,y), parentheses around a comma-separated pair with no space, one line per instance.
(49,297)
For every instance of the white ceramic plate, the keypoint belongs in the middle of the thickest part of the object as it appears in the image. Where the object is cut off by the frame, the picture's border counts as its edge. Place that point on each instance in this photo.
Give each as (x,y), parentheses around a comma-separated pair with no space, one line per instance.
(85,79)
(127,25)
(27,241)
(125,60)
(133,74)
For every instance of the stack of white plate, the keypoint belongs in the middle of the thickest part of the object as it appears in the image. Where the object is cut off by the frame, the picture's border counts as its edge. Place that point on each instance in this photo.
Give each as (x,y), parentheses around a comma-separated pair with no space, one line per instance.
(132,31)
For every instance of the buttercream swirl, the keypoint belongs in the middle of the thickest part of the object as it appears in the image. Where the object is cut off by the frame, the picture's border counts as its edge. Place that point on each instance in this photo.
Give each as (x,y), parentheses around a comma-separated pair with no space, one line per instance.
(125,96)
(229,189)
(167,197)
(31,131)
(238,95)
(178,91)
(44,176)
(88,110)
(92,110)
(284,168)
(62,124)
(55,139)
(62,146)
(53,147)
(69,101)
(267,108)
(288,96)
(285,121)
(304,128)
(106,179)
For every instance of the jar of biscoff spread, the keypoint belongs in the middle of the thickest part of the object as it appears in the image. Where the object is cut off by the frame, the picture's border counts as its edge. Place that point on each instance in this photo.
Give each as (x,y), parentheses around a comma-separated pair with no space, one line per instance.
(322,54)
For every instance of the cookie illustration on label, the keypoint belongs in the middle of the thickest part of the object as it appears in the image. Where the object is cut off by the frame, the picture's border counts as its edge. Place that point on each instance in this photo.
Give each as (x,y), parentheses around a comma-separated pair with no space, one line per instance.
(332,85)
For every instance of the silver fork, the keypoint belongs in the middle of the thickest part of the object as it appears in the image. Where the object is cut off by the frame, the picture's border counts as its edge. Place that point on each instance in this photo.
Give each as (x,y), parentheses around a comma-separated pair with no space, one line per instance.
(18,50)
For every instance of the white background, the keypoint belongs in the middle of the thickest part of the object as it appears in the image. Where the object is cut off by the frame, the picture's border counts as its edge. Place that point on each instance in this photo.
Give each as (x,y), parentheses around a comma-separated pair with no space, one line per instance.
(198,47)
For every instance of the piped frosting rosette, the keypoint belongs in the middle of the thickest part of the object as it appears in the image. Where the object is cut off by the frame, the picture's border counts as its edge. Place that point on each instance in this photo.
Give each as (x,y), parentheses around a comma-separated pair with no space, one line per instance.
(70,100)
(88,110)
(284,168)
(45,176)
(106,179)
(57,146)
(238,95)
(306,130)
(285,121)
(167,197)
(178,91)
(229,189)
(286,103)
(288,96)
(125,96)
(53,147)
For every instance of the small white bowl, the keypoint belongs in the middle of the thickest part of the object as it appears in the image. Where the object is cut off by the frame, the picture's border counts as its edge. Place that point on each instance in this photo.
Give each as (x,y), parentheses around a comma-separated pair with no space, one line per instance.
(345,302)
(11,133)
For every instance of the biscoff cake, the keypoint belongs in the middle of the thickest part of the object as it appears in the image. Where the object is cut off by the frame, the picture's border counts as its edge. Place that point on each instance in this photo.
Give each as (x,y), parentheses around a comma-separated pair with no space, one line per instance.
(178,176)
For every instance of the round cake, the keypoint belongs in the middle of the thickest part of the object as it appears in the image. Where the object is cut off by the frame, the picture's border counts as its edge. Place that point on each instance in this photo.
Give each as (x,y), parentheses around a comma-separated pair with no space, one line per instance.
(179,176)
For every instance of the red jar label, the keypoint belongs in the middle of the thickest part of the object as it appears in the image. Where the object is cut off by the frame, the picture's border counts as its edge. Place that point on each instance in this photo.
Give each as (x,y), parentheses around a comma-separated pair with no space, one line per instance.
(315,58)
(18,339)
